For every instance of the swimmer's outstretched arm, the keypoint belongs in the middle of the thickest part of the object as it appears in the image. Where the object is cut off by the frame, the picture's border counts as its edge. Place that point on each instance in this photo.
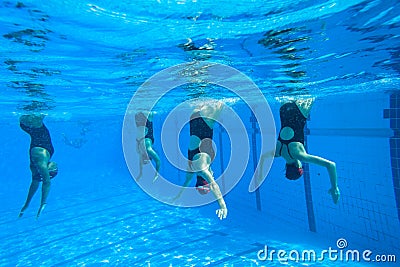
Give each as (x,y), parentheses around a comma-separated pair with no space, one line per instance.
(331,168)
(222,212)
(265,156)
(189,177)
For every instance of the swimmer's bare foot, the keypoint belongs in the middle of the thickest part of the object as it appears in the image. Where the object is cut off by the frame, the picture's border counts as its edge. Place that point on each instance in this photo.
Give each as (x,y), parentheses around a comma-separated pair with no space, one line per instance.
(40,210)
(21,213)
(155,178)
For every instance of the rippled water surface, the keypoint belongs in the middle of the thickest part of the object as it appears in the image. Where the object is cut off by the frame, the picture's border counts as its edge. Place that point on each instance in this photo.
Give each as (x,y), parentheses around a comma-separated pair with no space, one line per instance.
(80,57)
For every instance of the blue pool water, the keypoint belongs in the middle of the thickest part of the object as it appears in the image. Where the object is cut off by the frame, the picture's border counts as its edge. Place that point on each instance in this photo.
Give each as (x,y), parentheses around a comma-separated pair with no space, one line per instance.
(81,63)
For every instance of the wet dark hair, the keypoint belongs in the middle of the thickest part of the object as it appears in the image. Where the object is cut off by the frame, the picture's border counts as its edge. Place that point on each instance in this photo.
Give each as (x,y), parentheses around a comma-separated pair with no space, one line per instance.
(53,169)
(202,186)
(293,172)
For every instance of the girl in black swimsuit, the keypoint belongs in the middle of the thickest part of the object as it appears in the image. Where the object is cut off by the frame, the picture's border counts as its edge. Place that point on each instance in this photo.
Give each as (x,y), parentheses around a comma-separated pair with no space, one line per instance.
(145,141)
(200,129)
(292,118)
(40,152)
(290,144)
(201,153)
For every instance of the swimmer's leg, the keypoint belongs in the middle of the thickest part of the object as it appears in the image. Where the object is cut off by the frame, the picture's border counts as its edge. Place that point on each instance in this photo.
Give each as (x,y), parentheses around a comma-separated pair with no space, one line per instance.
(305,106)
(40,158)
(32,190)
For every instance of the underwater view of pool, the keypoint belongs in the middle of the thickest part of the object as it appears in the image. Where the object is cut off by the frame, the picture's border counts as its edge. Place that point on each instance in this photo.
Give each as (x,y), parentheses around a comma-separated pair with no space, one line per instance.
(244,90)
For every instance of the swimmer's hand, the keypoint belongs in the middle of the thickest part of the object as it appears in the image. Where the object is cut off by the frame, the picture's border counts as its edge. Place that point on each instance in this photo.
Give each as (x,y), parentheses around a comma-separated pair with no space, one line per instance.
(40,210)
(335,193)
(222,213)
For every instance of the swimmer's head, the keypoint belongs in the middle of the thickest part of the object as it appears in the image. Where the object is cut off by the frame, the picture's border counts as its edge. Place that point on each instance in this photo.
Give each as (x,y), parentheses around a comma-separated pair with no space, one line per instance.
(53,169)
(293,171)
(202,186)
